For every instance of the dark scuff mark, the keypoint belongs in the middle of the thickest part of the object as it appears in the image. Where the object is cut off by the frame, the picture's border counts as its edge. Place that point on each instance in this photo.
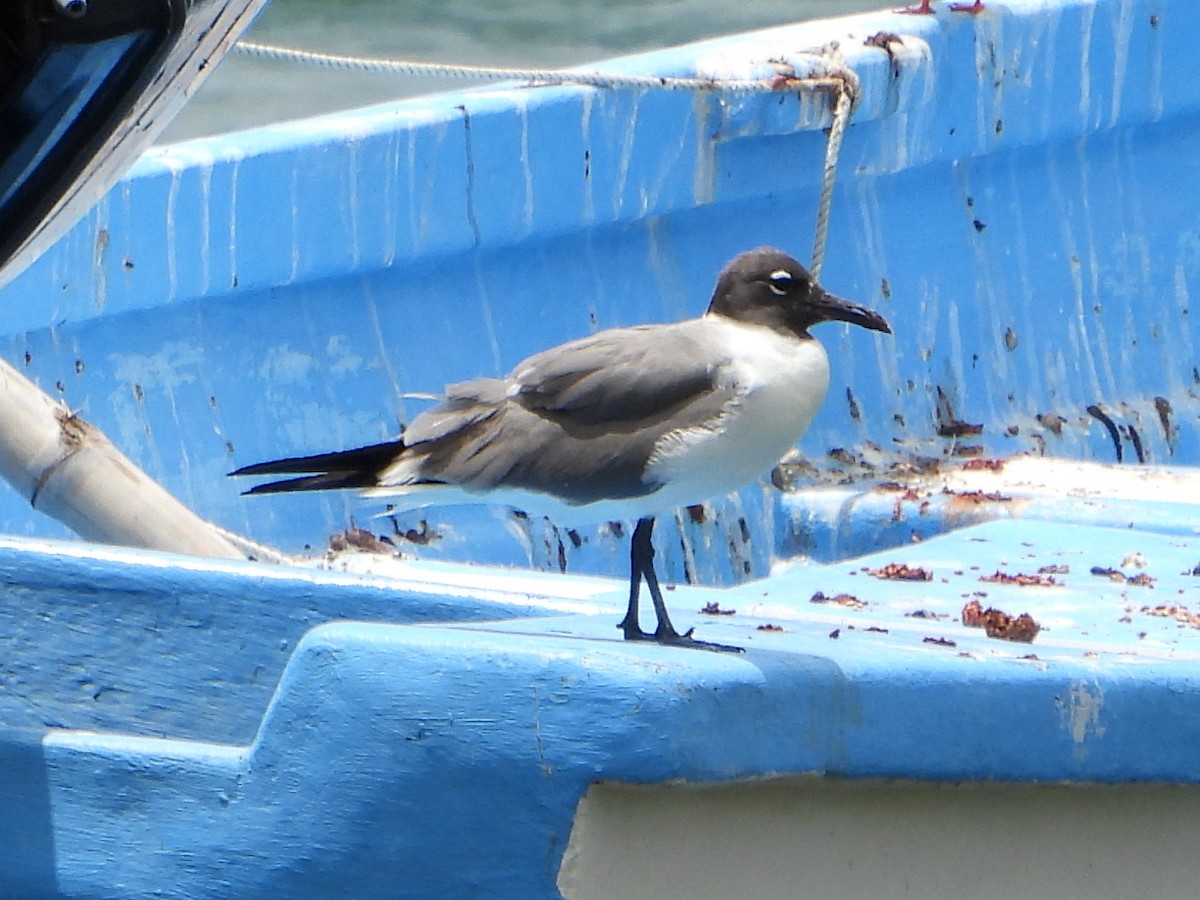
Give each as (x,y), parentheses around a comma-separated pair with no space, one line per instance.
(1136,440)
(470,150)
(355,538)
(949,425)
(715,609)
(421,537)
(689,570)
(1097,413)
(1163,407)
(855,412)
(1052,422)
(884,40)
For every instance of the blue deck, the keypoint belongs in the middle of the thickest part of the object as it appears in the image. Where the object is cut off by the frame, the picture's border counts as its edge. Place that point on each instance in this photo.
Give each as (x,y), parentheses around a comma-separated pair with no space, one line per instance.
(1016,194)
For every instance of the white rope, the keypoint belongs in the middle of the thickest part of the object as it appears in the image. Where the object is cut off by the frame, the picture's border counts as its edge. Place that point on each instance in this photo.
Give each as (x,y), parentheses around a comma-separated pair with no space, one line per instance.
(823,82)
(843,108)
(253,549)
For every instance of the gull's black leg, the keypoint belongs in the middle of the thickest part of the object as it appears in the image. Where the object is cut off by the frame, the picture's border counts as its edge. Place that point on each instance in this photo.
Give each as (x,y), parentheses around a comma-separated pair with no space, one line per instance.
(633,631)
(643,548)
(641,565)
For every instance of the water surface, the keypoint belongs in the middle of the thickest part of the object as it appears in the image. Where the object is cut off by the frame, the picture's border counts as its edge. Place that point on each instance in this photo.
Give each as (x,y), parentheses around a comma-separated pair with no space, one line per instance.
(244,92)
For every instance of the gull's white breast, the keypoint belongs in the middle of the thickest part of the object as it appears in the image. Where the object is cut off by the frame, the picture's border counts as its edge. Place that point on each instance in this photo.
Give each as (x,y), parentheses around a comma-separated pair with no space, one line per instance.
(778,382)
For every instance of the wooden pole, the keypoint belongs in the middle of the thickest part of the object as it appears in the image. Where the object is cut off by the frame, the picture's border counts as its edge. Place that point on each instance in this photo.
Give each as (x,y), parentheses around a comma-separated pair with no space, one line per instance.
(68,470)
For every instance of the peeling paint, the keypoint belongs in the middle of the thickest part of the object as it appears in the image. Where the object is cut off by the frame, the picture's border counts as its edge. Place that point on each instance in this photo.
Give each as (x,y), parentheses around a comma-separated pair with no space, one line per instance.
(1081,708)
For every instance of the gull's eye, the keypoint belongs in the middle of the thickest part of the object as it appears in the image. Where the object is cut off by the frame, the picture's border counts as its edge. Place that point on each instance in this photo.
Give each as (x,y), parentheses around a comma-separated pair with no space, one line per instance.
(780,282)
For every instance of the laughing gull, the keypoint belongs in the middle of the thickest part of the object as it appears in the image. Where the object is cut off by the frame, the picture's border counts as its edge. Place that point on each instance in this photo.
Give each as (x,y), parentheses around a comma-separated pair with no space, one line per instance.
(627,423)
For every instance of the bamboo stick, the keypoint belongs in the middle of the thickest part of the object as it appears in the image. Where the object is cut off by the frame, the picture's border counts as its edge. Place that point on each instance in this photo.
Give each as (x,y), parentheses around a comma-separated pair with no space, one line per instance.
(68,470)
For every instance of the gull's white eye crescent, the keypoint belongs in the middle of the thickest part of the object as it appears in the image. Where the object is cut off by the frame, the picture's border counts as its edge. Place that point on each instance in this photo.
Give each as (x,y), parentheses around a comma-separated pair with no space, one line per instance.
(780,281)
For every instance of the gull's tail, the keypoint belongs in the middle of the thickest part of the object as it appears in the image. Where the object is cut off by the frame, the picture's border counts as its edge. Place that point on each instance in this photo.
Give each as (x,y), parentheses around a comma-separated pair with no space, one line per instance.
(357,468)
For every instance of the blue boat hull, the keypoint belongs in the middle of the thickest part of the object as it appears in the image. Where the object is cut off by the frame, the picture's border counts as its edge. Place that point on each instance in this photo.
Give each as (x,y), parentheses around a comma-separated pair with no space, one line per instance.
(1016,194)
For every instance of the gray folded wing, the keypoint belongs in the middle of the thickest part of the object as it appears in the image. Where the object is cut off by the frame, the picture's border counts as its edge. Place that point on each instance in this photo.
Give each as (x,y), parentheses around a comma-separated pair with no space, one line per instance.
(578,422)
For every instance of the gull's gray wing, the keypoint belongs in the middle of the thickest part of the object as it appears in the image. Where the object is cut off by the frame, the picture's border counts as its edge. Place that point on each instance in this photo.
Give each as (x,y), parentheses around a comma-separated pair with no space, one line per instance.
(579,421)
(624,376)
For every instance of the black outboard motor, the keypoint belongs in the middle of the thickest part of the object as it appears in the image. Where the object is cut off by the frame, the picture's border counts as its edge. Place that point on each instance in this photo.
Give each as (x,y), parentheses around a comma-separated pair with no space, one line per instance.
(85,86)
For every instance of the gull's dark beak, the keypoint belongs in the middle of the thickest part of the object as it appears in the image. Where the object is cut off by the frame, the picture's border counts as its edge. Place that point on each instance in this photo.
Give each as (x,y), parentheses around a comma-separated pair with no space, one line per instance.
(832,308)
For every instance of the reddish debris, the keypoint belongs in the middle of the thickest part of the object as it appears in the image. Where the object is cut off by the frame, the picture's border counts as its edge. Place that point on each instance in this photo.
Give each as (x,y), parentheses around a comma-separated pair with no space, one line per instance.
(972,614)
(1141,579)
(358,539)
(848,600)
(911,496)
(1180,614)
(990,465)
(1023,629)
(978,497)
(901,572)
(999,624)
(884,40)
(714,609)
(1021,579)
(1056,569)
(926,614)
(940,641)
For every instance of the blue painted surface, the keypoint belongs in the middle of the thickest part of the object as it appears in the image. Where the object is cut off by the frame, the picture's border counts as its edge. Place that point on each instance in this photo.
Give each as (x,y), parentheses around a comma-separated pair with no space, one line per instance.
(1016,194)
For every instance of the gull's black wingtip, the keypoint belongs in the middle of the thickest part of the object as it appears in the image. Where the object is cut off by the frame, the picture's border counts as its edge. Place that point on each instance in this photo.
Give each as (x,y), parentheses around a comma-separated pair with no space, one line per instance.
(325,481)
(255,469)
(357,468)
(372,458)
